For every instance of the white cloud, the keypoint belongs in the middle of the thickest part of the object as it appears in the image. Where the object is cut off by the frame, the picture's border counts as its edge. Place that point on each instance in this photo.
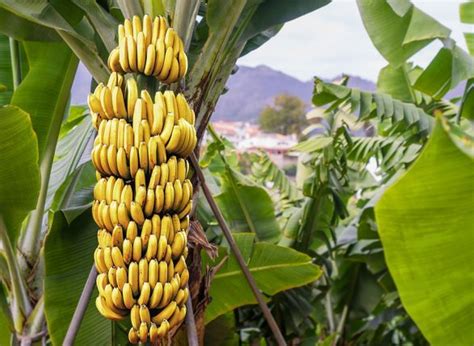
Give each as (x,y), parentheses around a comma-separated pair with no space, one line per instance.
(332,40)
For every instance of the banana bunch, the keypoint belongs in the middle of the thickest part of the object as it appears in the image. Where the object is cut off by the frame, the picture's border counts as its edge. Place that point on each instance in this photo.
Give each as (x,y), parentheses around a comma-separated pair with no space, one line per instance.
(143,197)
(151,48)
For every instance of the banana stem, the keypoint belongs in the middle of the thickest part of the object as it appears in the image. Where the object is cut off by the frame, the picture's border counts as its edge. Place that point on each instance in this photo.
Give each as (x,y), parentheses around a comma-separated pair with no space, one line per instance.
(130,8)
(81,308)
(15,61)
(238,255)
(21,305)
(185,18)
(191,323)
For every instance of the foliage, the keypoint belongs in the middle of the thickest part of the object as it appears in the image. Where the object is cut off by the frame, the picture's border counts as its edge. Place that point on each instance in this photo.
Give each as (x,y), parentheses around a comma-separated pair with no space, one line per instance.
(286,116)
(422,221)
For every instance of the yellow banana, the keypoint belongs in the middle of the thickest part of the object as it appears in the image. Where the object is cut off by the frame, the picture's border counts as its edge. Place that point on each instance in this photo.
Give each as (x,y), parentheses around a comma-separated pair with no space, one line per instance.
(174,72)
(183,64)
(145,293)
(106,311)
(118,102)
(155,177)
(145,314)
(143,156)
(137,249)
(108,257)
(184,277)
(150,60)
(123,54)
(135,316)
(178,245)
(133,336)
(112,159)
(156,296)
(117,189)
(142,272)
(137,26)
(140,179)
(141,52)
(186,210)
(159,199)
(155,29)
(143,332)
(163,272)
(147,28)
(167,64)
(106,102)
(162,243)
(169,196)
(117,236)
(122,166)
(133,277)
(164,174)
(152,153)
(123,217)
(152,270)
(132,96)
(161,149)
(172,169)
(156,224)
(178,194)
(114,60)
(127,251)
(160,57)
(158,119)
(128,27)
(165,314)
(94,104)
(99,260)
(175,140)
(133,161)
(146,232)
(163,28)
(117,257)
(109,190)
(117,298)
(132,231)
(181,170)
(127,293)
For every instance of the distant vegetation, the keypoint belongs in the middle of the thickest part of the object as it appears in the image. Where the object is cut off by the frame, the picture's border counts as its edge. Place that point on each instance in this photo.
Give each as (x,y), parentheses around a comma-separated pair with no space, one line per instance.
(286,116)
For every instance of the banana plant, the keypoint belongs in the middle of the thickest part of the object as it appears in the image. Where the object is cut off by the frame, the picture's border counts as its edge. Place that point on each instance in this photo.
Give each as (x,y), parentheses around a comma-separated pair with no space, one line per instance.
(46,185)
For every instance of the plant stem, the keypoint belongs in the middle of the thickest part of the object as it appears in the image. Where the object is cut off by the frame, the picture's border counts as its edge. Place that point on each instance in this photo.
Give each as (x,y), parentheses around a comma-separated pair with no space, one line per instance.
(130,8)
(191,323)
(185,18)
(81,308)
(328,307)
(21,305)
(238,255)
(15,61)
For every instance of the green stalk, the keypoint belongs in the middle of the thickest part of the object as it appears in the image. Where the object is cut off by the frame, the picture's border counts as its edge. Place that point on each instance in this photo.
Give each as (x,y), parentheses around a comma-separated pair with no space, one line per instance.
(21,305)
(185,18)
(15,61)
(130,8)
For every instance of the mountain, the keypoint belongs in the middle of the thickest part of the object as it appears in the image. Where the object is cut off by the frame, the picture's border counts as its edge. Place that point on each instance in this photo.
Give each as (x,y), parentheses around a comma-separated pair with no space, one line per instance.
(250,89)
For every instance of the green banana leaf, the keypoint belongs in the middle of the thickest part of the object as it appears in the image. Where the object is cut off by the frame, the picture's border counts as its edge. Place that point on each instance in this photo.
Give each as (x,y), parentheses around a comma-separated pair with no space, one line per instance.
(19,170)
(45,90)
(6,321)
(23,30)
(275,269)
(425,222)
(68,259)
(398,29)
(5,71)
(75,134)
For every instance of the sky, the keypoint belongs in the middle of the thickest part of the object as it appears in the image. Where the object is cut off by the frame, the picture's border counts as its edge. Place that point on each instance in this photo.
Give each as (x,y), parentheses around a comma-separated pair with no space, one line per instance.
(333,40)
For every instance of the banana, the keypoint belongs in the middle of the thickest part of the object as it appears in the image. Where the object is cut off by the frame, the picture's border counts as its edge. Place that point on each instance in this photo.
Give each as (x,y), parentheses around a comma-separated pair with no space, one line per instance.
(153,333)
(183,108)
(121,277)
(143,332)
(135,316)
(103,160)
(123,54)
(123,217)
(185,222)
(112,159)
(179,297)
(167,293)
(108,257)
(145,314)
(106,311)
(109,189)
(101,282)
(129,138)
(105,216)
(181,170)
(145,233)
(140,179)
(155,29)
(186,137)
(121,129)
(171,277)
(127,197)
(113,213)
(163,28)
(178,245)
(158,119)
(156,224)
(184,277)
(96,214)
(174,72)
(117,298)
(164,174)
(99,189)
(101,131)
(141,52)
(117,257)
(137,249)
(163,272)
(127,294)
(178,194)
(118,102)
(152,153)
(132,54)
(186,210)
(160,57)
(185,199)
(163,329)
(133,277)
(162,156)
(159,199)
(94,104)
(117,236)
(145,293)
(162,243)
(140,196)
(143,156)
(175,140)
(95,156)
(152,247)
(180,265)
(166,227)
(127,251)
(132,231)
(150,60)
(114,60)
(128,27)
(133,336)
(165,314)
(172,169)
(133,161)
(152,270)
(132,96)
(137,26)
(117,190)
(167,64)
(99,260)
(147,29)
(160,100)
(142,273)
(122,166)
(154,177)
(156,295)
(112,80)
(106,102)
(169,196)
(149,203)
(183,64)
(169,98)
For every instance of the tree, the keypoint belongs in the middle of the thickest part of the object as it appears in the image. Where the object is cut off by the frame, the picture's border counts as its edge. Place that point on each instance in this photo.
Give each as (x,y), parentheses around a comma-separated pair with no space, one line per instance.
(286,116)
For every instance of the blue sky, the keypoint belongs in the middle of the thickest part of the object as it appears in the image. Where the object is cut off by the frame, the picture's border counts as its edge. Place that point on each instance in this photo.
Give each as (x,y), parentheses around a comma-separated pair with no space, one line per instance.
(332,40)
